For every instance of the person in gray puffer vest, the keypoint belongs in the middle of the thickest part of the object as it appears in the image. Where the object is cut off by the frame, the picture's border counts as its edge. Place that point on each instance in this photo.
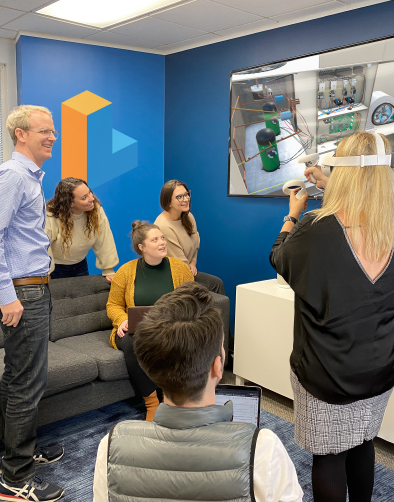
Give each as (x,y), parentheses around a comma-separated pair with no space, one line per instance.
(192,450)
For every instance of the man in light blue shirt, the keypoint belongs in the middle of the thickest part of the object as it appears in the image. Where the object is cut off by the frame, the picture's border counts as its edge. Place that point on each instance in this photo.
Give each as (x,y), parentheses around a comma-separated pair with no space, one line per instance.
(25,304)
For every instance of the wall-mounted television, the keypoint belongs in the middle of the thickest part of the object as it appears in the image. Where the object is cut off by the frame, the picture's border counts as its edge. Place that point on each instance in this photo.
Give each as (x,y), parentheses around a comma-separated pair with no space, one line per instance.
(286,109)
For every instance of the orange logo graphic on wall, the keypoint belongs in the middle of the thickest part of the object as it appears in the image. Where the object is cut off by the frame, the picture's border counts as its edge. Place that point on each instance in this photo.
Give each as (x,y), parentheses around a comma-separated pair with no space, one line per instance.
(91,149)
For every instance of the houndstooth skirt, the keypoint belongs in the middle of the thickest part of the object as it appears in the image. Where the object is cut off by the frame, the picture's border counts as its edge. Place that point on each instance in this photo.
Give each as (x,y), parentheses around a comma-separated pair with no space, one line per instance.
(324,428)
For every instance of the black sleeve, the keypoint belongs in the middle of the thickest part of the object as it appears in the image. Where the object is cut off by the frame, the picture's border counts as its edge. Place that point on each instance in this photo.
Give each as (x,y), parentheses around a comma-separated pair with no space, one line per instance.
(290,252)
(279,240)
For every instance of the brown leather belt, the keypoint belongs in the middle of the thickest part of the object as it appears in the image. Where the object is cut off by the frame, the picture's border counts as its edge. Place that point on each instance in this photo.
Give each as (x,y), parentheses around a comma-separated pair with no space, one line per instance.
(27,281)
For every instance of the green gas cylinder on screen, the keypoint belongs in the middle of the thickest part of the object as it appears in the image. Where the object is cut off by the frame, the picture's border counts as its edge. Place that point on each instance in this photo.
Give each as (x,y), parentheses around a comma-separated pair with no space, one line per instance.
(266,141)
(270,111)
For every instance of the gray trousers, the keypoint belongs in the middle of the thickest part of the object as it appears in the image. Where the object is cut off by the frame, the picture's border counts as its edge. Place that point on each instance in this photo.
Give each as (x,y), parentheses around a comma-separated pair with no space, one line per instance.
(212,282)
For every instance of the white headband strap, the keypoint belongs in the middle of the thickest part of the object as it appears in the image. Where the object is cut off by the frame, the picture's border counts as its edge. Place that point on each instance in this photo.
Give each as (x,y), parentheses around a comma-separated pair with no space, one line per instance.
(381,159)
(361,160)
(379,143)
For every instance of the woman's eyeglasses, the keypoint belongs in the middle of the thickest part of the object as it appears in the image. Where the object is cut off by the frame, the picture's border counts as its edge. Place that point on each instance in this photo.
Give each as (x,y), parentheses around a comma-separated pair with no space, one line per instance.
(185,195)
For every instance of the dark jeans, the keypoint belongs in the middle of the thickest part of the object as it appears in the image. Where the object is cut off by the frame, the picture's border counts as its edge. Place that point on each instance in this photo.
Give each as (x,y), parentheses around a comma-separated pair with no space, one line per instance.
(140,381)
(76,270)
(212,282)
(24,380)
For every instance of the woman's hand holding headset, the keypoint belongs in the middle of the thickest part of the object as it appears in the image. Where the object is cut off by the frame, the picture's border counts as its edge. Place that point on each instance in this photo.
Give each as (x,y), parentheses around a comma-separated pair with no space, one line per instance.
(320,180)
(297,206)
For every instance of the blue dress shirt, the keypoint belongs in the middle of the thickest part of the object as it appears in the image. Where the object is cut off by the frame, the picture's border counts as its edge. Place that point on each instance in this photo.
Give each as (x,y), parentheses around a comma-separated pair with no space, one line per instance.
(23,241)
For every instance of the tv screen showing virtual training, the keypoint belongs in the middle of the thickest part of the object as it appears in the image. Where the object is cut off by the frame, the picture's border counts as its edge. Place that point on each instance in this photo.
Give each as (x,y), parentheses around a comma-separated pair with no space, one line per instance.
(284,110)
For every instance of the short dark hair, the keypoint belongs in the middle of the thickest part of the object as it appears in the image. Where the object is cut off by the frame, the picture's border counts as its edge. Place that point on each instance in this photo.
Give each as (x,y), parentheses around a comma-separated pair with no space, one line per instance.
(178,340)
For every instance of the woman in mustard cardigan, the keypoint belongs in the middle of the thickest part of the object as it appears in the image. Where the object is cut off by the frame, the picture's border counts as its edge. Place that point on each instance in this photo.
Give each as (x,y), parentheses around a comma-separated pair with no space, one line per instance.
(142,282)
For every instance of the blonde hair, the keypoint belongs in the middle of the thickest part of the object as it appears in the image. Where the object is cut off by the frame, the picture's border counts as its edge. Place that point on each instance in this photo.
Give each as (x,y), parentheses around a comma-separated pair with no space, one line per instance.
(365,195)
(19,118)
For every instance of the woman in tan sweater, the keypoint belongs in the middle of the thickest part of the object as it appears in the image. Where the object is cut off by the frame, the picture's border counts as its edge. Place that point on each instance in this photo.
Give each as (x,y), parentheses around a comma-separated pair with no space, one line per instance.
(142,282)
(75,223)
(180,230)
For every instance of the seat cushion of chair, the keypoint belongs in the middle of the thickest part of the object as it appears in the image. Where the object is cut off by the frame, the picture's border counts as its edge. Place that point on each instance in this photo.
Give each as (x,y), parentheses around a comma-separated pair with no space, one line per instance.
(110,362)
(66,368)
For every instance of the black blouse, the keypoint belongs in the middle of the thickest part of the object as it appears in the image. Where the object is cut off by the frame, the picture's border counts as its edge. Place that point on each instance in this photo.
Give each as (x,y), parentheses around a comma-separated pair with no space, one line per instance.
(343,322)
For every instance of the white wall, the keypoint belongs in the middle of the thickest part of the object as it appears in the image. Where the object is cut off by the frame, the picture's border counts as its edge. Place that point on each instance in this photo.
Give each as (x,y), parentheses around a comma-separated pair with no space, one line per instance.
(9,98)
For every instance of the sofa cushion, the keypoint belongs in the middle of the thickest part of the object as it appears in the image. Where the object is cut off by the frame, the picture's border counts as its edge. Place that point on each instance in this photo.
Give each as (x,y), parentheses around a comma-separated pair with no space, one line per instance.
(110,362)
(66,369)
(79,306)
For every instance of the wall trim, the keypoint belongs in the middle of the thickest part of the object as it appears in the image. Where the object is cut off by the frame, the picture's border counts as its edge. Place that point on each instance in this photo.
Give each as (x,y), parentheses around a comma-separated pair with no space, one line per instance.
(86,42)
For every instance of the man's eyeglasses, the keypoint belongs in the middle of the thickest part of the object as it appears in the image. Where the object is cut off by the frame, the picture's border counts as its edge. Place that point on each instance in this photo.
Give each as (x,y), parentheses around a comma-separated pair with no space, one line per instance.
(46,132)
(185,195)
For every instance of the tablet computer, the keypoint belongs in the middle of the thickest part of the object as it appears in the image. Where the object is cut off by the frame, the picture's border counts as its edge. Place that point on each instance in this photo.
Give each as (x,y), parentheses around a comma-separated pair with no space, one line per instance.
(246,401)
(135,316)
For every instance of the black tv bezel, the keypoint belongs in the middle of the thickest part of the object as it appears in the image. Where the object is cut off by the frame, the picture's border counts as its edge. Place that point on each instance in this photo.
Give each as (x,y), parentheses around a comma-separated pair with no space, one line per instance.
(272,63)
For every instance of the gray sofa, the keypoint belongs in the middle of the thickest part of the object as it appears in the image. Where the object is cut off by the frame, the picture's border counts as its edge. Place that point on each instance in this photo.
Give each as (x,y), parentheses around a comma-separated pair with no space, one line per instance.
(84,371)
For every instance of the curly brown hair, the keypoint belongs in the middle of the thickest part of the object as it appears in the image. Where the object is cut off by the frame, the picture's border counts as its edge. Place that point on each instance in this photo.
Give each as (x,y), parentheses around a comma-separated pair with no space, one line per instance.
(60,207)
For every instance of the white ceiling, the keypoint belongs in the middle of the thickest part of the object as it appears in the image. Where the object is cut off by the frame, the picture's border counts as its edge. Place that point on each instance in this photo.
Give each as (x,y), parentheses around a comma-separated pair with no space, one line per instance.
(191,23)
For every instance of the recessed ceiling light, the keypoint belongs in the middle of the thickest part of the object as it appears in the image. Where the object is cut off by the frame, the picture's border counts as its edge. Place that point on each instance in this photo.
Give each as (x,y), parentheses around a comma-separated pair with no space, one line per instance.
(102,13)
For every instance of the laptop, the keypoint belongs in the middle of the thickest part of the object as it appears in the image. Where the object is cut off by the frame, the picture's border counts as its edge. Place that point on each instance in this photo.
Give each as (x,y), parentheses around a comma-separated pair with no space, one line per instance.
(246,401)
(135,316)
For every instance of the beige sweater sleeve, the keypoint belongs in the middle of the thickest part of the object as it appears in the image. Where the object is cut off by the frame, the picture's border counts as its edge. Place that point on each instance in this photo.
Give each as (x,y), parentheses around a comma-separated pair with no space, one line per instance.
(174,247)
(104,247)
(197,236)
(51,231)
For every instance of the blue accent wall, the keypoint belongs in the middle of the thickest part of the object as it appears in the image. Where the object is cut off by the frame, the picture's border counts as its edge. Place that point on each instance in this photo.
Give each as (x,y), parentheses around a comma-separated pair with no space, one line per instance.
(237,233)
(50,72)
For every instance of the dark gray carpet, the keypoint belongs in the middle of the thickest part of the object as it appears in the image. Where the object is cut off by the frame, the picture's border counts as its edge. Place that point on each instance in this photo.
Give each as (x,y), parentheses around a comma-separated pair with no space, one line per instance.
(81,435)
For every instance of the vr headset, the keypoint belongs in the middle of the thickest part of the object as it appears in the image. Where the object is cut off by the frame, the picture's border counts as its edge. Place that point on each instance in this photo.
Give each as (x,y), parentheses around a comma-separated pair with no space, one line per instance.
(329,161)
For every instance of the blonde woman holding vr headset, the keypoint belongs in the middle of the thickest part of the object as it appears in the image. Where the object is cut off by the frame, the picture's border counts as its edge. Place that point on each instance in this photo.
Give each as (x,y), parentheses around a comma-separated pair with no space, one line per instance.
(338,260)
